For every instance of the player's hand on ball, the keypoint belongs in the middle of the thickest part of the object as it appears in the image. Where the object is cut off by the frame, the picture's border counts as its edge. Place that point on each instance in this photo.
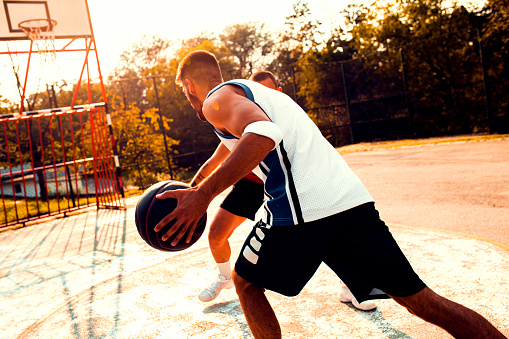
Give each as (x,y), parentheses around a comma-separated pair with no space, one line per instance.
(191,206)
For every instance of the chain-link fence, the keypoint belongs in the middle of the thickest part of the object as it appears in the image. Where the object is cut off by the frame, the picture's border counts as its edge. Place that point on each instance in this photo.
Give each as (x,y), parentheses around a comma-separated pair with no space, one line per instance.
(435,87)
(429,88)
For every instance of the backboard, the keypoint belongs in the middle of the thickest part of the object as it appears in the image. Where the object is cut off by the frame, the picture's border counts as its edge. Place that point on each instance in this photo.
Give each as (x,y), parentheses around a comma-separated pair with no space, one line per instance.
(72,17)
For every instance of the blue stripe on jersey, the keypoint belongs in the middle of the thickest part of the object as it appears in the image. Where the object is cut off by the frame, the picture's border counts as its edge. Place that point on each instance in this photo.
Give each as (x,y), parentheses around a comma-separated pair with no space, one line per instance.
(221,135)
(275,186)
(247,90)
(293,189)
(279,207)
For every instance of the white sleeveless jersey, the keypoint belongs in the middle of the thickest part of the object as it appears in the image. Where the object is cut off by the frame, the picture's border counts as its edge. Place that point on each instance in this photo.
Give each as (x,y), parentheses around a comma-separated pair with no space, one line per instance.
(305,178)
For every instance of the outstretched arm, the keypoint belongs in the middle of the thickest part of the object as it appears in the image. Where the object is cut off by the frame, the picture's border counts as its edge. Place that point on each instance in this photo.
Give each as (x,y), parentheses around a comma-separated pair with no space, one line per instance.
(229,111)
(193,203)
(211,164)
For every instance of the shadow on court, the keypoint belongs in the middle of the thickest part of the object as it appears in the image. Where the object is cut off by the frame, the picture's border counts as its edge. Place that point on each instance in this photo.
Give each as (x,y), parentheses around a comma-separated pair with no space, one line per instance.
(91,276)
(46,264)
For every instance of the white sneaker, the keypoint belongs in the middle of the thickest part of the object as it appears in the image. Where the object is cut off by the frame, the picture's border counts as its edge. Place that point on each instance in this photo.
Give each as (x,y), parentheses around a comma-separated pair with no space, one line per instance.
(211,292)
(346,296)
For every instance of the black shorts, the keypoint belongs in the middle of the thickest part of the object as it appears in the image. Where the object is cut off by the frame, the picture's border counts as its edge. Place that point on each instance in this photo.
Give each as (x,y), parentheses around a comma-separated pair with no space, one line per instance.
(355,244)
(245,198)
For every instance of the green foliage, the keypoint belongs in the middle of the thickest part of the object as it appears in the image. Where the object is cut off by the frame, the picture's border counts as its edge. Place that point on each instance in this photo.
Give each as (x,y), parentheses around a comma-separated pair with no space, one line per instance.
(438,58)
(148,52)
(302,30)
(140,141)
(300,35)
(150,89)
(249,43)
(6,106)
(495,38)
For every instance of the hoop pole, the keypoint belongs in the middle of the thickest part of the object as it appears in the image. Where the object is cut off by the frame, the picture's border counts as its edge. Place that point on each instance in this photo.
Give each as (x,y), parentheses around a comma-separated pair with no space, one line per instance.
(118,170)
(81,76)
(26,78)
(110,156)
(94,155)
(104,156)
(89,90)
(105,100)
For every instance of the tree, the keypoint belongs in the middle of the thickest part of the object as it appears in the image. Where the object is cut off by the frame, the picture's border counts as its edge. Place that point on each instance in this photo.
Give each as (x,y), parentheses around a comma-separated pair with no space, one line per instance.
(143,54)
(6,106)
(141,142)
(494,31)
(300,35)
(150,87)
(302,32)
(249,43)
(437,55)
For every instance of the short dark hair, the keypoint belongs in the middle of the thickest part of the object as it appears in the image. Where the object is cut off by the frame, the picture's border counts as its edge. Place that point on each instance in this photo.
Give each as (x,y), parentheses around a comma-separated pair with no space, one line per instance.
(200,66)
(263,75)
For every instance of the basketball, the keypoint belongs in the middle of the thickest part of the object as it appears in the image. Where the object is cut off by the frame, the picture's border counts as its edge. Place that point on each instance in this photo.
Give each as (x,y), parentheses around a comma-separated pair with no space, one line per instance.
(150,211)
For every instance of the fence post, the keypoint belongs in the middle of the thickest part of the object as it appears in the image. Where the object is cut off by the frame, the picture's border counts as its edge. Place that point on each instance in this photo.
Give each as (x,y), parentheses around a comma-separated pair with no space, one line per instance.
(484,81)
(293,84)
(347,102)
(162,126)
(405,88)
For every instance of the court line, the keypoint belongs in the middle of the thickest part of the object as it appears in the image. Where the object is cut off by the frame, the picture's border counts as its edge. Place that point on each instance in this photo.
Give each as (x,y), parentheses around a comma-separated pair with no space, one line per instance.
(505,247)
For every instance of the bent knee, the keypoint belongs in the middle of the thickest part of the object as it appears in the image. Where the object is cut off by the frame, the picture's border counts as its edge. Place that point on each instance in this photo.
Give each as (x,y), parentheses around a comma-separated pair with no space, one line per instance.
(240,283)
(216,238)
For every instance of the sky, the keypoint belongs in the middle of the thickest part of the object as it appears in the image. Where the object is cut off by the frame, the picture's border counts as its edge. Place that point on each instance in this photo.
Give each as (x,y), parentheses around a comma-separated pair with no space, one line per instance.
(118,24)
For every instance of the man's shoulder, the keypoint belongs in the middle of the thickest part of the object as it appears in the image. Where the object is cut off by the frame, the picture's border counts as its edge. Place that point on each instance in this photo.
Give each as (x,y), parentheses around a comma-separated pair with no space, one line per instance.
(217,106)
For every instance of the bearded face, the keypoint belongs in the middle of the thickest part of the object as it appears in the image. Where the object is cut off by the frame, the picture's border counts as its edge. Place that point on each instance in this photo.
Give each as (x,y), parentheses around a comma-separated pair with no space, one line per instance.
(197,105)
(195,102)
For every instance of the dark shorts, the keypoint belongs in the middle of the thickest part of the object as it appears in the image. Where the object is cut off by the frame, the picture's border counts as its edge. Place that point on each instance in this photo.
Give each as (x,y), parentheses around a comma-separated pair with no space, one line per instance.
(355,244)
(245,199)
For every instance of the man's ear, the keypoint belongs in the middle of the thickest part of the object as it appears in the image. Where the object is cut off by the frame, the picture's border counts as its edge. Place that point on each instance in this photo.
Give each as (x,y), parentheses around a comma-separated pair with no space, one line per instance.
(190,86)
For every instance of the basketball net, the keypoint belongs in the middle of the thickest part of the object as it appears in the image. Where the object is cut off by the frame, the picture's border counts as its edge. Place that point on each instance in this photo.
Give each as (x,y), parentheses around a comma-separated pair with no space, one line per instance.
(41,32)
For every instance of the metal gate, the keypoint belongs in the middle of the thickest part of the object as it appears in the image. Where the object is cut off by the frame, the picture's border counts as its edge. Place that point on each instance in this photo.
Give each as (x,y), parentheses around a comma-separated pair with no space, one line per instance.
(57,161)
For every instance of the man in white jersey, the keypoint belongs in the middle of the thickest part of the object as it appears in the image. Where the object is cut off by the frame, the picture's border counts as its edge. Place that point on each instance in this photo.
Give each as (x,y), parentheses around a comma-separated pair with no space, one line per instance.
(240,204)
(318,209)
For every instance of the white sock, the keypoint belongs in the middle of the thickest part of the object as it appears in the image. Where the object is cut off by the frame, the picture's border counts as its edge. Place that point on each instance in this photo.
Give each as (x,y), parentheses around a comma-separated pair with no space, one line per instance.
(225,269)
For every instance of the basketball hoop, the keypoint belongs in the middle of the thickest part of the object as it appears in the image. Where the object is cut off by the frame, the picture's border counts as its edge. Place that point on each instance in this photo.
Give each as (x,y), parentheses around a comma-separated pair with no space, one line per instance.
(41,32)
(38,28)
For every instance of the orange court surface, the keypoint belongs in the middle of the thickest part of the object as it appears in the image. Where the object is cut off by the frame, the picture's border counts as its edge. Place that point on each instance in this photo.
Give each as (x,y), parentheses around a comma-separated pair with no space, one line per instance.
(90,275)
